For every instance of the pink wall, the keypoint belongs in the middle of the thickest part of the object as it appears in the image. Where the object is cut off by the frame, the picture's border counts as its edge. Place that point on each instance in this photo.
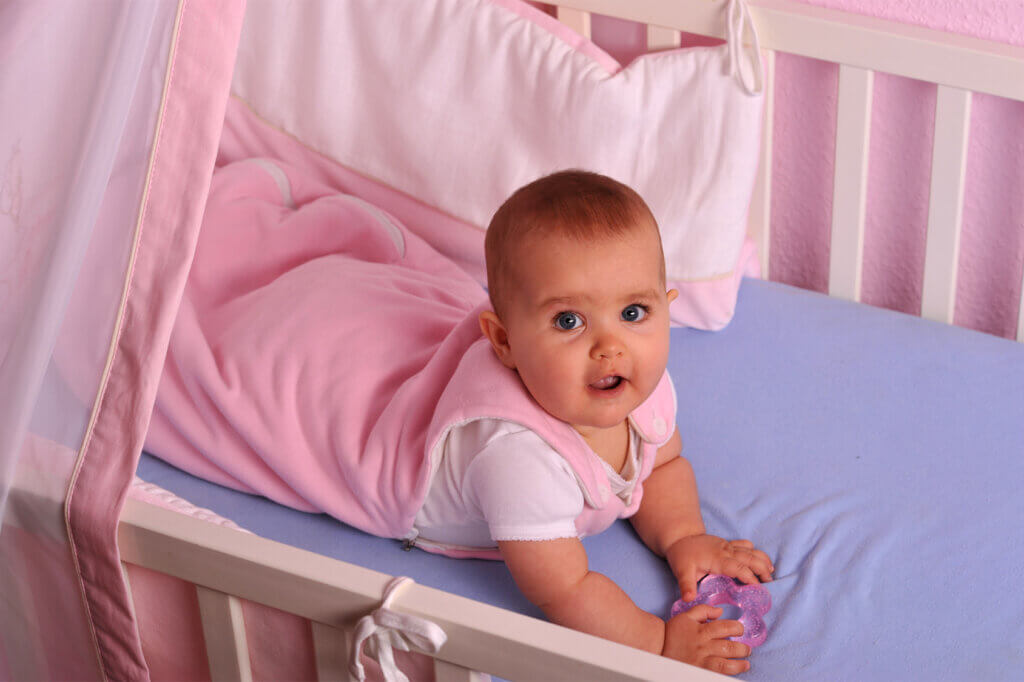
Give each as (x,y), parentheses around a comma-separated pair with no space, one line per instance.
(992,246)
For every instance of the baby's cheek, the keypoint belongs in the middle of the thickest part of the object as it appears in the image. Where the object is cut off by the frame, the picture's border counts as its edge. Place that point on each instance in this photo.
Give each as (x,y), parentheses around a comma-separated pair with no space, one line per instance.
(657,354)
(547,382)
(654,368)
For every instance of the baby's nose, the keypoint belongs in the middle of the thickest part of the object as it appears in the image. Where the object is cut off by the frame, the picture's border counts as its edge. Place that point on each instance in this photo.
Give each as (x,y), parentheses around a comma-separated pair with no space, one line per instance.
(607,347)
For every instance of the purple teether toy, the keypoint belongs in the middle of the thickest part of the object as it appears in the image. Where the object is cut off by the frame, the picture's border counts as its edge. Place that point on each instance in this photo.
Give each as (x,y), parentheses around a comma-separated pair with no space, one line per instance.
(753,601)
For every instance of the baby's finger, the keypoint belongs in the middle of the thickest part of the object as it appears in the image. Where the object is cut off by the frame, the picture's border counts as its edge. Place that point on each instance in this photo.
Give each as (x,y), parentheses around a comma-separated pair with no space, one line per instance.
(722,629)
(703,613)
(746,546)
(757,561)
(762,565)
(688,583)
(735,567)
(726,666)
(729,649)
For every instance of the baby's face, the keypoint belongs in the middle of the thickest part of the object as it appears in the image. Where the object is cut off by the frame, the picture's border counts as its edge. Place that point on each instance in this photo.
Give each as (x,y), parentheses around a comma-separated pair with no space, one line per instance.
(588,325)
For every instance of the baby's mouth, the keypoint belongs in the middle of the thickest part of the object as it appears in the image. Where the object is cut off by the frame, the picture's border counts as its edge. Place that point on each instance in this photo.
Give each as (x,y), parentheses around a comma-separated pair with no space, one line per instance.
(607,383)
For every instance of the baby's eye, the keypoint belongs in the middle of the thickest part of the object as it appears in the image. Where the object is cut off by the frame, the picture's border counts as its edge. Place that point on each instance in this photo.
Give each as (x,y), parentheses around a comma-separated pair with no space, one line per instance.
(634,313)
(568,321)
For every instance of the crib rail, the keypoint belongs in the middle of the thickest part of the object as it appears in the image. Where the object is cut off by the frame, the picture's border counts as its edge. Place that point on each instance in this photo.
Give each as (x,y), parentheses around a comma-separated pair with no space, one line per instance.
(840,37)
(226,564)
(958,65)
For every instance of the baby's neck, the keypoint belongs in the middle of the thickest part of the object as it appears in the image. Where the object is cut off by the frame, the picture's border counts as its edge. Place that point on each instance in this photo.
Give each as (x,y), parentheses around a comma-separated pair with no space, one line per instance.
(611,444)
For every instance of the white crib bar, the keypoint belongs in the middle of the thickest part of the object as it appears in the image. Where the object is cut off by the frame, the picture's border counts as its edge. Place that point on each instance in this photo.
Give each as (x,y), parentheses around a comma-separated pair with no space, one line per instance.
(831,35)
(330,647)
(1020,311)
(849,193)
(128,587)
(480,636)
(661,38)
(759,219)
(575,19)
(224,632)
(945,205)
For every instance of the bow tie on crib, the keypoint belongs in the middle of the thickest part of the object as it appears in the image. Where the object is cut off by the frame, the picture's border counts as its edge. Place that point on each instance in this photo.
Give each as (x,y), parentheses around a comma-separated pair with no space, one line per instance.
(384,630)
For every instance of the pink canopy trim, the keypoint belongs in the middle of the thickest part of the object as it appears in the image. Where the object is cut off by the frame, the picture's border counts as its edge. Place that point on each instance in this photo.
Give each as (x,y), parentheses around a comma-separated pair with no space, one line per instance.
(199,75)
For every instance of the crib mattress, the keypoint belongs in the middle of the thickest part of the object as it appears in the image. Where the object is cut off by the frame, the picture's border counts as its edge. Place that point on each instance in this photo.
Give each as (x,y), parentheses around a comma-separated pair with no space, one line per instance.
(875,456)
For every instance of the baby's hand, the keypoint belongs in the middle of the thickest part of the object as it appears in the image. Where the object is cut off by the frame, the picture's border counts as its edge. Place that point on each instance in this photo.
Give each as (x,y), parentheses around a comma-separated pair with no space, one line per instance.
(697,555)
(690,638)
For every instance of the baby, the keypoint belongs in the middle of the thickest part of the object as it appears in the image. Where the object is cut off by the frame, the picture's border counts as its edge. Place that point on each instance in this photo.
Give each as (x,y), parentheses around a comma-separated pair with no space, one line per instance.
(580,316)
(507,428)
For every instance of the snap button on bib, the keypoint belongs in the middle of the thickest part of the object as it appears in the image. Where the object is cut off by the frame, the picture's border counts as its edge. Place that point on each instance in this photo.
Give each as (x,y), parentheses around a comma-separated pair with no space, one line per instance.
(660,427)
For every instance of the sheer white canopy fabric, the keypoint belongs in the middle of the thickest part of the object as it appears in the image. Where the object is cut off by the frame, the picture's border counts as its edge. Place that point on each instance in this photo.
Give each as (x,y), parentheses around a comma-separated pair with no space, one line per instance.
(73,165)
(84,88)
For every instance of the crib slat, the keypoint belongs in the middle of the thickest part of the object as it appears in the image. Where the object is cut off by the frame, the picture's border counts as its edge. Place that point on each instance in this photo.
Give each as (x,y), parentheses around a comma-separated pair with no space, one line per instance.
(127,584)
(575,19)
(224,632)
(849,193)
(331,647)
(945,205)
(1020,312)
(661,38)
(128,589)
(759,221)
(832,35)
(449,672)
(480,636)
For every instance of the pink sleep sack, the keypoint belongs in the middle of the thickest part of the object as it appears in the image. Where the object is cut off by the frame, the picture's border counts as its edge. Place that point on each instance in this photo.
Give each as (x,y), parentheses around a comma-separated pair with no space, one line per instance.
(322,351)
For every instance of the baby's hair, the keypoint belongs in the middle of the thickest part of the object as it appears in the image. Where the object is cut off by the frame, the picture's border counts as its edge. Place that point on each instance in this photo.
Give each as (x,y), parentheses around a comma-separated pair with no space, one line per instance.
(576,204)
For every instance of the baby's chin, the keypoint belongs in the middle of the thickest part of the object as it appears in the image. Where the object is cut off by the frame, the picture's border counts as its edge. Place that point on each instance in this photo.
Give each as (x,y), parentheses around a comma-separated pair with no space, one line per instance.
(598,422)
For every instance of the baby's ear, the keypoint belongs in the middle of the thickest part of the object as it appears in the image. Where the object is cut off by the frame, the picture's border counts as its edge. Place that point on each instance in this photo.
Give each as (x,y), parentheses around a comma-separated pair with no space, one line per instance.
(494,330)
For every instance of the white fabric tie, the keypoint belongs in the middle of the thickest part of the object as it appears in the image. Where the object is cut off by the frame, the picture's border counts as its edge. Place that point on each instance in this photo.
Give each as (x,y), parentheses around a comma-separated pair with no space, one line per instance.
(385,629)
(738,20)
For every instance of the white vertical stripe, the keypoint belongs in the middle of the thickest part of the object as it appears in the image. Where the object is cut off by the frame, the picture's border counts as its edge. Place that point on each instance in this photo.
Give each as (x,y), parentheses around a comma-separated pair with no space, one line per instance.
(853,136)
(577,20)
(224,631)
(661,38)
(945,204)
(128,588)
(1020,312)
(759,220)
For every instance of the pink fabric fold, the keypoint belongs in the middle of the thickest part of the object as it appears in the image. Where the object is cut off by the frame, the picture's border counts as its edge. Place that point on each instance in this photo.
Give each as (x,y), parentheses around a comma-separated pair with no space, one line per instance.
(311,344)
(185,149)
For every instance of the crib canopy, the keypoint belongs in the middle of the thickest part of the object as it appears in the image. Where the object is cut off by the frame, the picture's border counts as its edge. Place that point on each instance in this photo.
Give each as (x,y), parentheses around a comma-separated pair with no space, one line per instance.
(108,134)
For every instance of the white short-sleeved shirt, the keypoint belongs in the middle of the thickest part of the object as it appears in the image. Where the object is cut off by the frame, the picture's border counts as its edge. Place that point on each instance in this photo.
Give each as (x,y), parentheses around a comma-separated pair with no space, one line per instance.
(498,480)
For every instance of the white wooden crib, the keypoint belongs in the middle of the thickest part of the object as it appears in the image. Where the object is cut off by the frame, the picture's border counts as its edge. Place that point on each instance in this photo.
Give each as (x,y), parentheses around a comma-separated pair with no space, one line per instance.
(226,565)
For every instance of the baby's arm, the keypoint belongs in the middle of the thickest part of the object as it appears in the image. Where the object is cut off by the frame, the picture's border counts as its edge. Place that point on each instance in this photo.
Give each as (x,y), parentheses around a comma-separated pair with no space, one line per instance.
(669,522)
(553,574)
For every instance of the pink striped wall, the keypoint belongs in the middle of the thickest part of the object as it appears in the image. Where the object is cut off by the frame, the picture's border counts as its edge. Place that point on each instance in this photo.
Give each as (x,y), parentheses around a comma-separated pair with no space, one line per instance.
(992,246)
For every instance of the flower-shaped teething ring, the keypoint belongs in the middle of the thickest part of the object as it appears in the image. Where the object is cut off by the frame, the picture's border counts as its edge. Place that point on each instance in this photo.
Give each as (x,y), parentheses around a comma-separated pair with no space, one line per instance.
(753,602)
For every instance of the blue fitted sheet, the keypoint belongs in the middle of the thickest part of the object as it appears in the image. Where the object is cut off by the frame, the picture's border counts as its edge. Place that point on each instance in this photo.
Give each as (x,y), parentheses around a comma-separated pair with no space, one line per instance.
(875,456)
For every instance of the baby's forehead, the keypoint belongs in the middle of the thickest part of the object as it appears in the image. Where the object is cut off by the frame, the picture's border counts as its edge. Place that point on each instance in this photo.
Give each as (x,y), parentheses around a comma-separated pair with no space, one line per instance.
(549,260)
(643,233)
